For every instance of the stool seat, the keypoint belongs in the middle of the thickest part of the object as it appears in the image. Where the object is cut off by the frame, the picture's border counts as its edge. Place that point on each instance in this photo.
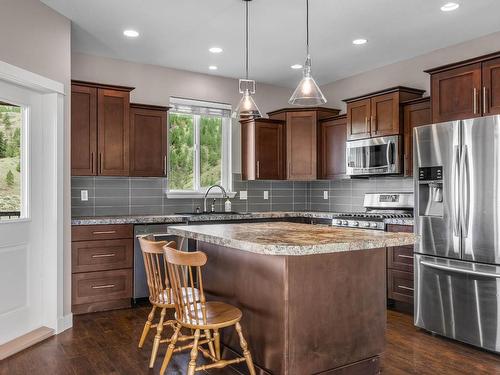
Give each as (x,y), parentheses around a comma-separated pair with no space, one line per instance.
(218,315)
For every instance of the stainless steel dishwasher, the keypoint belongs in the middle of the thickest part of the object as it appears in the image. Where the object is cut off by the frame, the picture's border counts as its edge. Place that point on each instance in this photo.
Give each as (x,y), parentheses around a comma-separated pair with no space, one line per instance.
(160,233)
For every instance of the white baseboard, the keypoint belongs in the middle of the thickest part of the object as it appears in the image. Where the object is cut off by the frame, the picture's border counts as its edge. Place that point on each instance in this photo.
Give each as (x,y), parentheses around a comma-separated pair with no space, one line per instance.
(65,322)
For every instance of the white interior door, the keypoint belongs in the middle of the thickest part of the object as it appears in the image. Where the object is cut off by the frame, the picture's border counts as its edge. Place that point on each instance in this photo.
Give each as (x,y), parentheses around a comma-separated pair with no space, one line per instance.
(21,238)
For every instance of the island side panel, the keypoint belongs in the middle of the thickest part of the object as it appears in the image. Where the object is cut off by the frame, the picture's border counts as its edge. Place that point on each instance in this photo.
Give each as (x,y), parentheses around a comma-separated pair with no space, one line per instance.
(255,283)
(337,311)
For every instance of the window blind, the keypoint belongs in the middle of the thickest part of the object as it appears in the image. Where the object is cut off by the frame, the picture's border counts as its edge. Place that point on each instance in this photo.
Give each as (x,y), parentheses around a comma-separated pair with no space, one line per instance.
(199,107)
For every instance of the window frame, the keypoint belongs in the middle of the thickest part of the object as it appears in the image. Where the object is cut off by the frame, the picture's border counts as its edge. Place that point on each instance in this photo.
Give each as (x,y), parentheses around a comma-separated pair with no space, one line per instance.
(226,162)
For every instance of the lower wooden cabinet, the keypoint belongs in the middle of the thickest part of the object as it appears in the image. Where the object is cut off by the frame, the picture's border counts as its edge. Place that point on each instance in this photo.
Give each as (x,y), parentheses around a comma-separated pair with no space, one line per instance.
(102,267)
(400,268)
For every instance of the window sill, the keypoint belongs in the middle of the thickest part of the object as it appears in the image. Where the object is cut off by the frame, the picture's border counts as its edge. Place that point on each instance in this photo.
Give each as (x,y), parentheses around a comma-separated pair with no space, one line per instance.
(196,194)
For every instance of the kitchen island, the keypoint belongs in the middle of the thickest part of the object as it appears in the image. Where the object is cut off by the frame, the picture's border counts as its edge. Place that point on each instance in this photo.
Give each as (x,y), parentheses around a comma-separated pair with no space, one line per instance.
(313,296)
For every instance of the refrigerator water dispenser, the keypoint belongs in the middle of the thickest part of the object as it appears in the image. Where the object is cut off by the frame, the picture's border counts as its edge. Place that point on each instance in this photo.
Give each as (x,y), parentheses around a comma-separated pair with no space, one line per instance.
(431,191)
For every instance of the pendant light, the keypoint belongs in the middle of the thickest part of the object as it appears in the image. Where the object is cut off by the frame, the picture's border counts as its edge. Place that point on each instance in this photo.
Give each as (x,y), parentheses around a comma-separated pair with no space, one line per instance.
(307,92)
(246,107)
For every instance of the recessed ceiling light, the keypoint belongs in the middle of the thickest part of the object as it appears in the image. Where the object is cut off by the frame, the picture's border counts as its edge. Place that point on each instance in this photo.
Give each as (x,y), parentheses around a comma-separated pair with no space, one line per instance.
(296,66)
(359,41)
(215,50)
(448,7)
(131,33)
(212,67)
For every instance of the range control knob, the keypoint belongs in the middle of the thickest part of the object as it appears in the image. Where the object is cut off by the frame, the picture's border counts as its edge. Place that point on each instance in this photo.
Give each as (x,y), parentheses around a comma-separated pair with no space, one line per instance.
(366,224)
(355,223)
(338,222)
(344,222)
(374,225)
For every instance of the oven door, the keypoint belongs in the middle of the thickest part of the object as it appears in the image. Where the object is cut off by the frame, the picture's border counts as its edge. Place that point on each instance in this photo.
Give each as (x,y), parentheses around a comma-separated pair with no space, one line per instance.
(373,156)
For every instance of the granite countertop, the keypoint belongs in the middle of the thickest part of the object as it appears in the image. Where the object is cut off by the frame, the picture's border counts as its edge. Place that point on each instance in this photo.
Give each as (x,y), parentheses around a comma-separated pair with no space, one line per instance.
(166,219)
(282,238)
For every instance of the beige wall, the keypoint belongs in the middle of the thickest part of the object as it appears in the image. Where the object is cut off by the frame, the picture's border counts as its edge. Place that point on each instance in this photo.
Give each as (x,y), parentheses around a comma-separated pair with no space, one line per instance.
(155,84)
(36,38)
(408,72)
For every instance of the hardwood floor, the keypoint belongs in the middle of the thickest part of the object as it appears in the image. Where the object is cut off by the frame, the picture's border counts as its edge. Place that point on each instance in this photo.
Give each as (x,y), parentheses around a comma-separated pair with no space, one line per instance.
(106,343)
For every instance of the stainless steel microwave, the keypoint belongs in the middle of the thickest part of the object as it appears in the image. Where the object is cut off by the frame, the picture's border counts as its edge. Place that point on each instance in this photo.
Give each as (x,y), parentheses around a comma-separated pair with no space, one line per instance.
(374,156)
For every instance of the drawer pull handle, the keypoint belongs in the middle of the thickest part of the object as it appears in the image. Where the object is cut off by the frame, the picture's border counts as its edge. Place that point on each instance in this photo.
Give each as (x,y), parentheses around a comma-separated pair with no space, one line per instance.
(107,286)
(405,256)
(103,255)
(405,287)
(105,232)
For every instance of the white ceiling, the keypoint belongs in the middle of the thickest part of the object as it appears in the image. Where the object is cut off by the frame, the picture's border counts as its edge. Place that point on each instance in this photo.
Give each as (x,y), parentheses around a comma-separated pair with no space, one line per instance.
(178,33)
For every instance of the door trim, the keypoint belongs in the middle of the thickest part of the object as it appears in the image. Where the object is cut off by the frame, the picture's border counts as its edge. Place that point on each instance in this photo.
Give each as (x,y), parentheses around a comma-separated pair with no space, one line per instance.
(56,208)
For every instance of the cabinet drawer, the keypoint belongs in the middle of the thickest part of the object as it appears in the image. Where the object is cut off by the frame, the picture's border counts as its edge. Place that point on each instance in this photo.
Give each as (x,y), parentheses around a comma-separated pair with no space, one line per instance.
(101,286)
(400,286)
(101,232)
(103,255)
(400,258)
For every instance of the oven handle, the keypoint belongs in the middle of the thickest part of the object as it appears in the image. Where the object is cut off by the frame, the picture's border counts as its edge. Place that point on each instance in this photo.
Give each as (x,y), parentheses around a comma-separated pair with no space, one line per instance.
(388,153)
(460,270)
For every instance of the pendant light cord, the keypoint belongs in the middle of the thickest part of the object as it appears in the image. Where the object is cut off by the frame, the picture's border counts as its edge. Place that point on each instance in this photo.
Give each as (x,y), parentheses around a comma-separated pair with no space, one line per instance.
(246,40)
(307,26)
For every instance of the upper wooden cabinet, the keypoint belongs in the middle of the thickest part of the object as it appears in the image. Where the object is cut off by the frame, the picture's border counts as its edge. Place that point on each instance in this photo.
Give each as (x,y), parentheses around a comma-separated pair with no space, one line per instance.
(262,149)
(301,139)
(456,93)
(378,114)
(148,140)
(491,87)
(83,130)
(466,89)
(332,133)
(416,112)
(99,129)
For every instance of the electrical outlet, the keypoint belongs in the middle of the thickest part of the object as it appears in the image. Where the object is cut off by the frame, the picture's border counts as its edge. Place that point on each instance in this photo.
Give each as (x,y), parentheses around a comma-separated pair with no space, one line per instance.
(325,194)
(243,195)
(266,194)
(84,195)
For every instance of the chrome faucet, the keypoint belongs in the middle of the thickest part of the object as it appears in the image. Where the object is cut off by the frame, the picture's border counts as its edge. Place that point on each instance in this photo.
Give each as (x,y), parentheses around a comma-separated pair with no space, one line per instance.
(224,195)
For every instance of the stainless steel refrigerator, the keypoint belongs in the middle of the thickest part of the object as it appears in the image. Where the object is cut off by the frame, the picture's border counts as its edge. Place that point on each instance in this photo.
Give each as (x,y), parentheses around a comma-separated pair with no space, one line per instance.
(457,216)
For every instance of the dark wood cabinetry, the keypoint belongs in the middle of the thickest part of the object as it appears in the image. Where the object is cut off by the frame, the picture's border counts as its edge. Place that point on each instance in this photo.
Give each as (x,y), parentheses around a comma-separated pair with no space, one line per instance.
(148,140)
(466,89)
(456,93)
(83,130)
(400,268)
(378,114)
(491,87)
(102,261)
(99,129)
(416,112)
(263,149)
(332,133)
(301,139)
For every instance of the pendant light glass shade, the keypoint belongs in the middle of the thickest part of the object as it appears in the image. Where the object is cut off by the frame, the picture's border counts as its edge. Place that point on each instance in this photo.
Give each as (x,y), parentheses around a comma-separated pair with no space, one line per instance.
(246,107)
(307,92)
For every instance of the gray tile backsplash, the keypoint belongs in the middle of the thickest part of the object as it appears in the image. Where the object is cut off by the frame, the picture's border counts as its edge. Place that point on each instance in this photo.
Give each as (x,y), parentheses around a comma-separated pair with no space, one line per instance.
(146,196)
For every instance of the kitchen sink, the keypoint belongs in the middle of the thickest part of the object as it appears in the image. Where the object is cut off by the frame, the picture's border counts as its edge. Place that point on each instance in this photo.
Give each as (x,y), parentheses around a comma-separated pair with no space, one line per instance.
(213,213)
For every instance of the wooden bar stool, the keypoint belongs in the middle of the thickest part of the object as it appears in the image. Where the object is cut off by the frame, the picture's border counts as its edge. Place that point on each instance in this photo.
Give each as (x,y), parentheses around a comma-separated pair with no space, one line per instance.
(199,315)
(160,293)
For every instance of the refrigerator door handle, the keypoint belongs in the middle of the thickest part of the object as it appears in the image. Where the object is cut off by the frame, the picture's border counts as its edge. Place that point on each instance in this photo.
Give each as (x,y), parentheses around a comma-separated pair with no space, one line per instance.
(460,270)
(456,191)
(464,192)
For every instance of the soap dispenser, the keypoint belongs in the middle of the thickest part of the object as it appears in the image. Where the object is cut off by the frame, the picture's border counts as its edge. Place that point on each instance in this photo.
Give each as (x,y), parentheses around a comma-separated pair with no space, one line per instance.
(227,205)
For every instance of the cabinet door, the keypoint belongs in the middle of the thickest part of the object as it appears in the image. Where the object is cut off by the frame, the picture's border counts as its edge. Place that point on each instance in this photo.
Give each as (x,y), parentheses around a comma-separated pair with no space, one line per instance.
(148,142)
(491,87)
(456,93)
(301,145)
(358,119)
(113,132)
(83,131)
(414,115)
(331,148)
(269,151)
(384,119)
